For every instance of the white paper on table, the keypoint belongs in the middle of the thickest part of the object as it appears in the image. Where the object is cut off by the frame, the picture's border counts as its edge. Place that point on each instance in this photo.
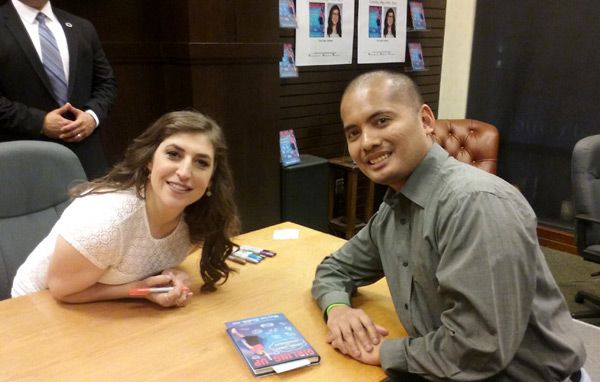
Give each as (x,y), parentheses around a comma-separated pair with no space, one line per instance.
(286,234)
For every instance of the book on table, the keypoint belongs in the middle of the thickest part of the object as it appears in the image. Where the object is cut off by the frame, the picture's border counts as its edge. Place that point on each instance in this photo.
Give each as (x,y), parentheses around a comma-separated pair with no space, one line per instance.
(271,344)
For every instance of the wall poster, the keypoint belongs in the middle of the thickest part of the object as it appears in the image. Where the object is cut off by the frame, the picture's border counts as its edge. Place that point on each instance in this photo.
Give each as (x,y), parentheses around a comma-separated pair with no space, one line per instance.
(381,31)
(325,32)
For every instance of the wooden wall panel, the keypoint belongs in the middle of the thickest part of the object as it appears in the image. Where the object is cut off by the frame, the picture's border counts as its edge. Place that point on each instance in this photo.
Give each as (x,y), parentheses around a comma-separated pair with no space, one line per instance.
(218,57)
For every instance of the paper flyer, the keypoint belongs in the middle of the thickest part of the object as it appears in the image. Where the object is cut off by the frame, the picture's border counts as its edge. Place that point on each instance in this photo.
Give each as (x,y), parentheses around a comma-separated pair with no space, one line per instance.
(325,32)
(381,31)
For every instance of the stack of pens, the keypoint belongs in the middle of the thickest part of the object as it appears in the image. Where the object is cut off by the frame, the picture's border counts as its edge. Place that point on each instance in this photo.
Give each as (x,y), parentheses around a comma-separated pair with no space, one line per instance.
(246,254)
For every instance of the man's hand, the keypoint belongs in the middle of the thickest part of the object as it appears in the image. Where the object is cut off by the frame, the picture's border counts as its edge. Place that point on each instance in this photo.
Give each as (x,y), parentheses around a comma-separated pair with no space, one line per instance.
(352,332)
(54,122)
(370,357)
(80,128)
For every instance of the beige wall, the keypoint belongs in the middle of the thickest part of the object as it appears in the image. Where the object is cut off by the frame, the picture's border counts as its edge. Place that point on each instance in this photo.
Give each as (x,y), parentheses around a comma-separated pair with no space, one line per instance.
(456,59)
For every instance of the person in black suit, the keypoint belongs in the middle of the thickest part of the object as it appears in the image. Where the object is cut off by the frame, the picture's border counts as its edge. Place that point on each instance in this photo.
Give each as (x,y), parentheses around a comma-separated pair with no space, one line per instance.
(29,107)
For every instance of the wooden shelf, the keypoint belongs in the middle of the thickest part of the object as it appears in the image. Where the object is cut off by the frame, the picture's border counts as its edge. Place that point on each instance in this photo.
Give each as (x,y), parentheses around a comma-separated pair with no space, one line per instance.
(350,223)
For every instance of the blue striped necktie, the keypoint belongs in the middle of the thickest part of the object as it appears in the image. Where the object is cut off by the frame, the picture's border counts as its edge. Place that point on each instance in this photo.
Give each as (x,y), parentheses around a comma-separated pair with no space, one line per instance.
(52,61)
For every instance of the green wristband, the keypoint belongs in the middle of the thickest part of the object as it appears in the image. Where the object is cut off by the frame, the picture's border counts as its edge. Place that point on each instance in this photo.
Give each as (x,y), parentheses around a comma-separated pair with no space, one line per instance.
(331,306)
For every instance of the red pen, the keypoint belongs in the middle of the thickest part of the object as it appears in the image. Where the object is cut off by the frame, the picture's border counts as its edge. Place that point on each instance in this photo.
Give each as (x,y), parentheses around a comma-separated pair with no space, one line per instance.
(147,291)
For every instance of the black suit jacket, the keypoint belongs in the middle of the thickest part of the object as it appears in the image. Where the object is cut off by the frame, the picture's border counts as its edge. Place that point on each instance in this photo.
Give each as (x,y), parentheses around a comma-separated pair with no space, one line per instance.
(25,91)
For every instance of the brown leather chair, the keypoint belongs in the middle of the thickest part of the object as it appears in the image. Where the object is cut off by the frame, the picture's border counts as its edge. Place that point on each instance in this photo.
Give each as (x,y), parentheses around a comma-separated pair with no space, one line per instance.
(469,141)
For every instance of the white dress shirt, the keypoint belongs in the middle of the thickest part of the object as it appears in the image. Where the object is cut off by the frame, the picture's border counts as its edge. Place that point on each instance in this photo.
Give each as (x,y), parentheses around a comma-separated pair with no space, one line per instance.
(28,18)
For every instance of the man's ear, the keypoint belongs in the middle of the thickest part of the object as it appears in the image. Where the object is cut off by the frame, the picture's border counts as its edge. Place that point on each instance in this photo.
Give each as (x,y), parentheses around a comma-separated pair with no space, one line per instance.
(427,118)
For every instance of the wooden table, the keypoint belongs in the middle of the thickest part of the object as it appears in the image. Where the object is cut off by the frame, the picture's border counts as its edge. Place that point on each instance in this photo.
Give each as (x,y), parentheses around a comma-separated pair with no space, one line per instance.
(133,340)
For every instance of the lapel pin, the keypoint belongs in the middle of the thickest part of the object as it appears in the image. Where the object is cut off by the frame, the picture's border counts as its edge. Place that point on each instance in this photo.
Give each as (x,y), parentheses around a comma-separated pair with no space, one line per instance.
(69,25)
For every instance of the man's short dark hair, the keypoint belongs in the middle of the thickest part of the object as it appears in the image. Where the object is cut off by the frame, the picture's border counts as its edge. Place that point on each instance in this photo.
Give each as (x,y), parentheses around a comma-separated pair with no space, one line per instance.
(402,85)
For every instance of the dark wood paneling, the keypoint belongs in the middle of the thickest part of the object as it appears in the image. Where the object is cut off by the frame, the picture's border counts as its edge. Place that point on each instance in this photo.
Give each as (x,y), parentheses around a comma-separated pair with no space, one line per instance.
(218,57)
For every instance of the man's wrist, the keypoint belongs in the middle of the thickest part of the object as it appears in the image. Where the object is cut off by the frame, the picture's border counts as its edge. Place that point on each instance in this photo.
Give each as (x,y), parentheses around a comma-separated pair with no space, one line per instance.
(331,306)
(94,116)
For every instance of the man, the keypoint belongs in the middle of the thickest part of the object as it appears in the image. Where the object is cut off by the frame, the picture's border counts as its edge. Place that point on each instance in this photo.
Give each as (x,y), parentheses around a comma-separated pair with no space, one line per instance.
(458,248)
(55,81)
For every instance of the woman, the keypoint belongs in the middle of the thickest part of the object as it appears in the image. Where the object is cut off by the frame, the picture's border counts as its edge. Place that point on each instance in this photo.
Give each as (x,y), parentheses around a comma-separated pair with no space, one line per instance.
(390,24)
(334,22)
(171,194)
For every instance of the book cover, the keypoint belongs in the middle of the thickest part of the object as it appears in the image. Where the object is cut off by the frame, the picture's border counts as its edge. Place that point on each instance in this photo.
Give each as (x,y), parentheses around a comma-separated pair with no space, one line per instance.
(416,56)
(287,65)
(316,19)
(374,22)
(287,14)
(417,15)
(288,148)
(271,344)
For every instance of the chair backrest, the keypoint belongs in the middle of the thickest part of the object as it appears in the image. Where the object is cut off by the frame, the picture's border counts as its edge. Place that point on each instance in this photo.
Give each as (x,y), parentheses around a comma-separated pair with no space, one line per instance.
(35,179)
(585,180)
(469,141)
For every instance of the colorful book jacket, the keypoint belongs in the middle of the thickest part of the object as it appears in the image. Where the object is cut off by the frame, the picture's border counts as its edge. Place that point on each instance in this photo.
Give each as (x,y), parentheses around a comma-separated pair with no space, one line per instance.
(416,56)
(271,344)
(316,19)
(417,15)
(288,148)
(374,22)
(287,14)
(287,65)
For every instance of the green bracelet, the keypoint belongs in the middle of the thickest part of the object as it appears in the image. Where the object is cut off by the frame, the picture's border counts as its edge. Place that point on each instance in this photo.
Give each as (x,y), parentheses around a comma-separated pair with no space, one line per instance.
(331,306)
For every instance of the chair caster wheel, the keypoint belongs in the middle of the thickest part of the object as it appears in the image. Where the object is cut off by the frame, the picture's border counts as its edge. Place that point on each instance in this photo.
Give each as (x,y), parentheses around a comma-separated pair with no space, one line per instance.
(579,298)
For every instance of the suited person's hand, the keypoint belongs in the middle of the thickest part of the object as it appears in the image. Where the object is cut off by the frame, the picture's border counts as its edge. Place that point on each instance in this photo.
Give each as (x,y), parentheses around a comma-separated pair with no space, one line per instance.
(54,122)
(80,128)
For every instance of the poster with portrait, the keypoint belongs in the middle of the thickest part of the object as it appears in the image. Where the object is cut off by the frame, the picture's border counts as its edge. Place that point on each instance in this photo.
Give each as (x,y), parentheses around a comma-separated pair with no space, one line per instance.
(381,31)
(325,32)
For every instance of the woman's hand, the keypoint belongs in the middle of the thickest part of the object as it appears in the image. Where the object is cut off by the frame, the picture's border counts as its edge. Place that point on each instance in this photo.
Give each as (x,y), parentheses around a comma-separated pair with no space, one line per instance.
(180,296)
(178,276)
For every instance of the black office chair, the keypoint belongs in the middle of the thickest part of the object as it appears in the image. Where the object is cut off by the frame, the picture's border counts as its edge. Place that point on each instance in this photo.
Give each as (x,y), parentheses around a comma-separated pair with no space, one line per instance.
(35,179)
(585,173)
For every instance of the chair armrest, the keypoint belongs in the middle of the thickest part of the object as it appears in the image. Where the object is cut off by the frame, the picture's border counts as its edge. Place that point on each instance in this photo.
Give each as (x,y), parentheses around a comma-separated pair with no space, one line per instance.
(581,222)
(587,219)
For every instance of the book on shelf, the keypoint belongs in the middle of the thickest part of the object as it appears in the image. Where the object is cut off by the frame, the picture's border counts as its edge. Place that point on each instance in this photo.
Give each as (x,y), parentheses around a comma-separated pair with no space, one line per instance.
(417,15)
(416,56)
(271,344)
(287,65)
(287,14)
(288,148)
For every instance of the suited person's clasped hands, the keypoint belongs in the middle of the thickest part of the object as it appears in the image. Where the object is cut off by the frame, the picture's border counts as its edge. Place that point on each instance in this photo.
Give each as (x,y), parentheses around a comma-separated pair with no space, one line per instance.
(58,126)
